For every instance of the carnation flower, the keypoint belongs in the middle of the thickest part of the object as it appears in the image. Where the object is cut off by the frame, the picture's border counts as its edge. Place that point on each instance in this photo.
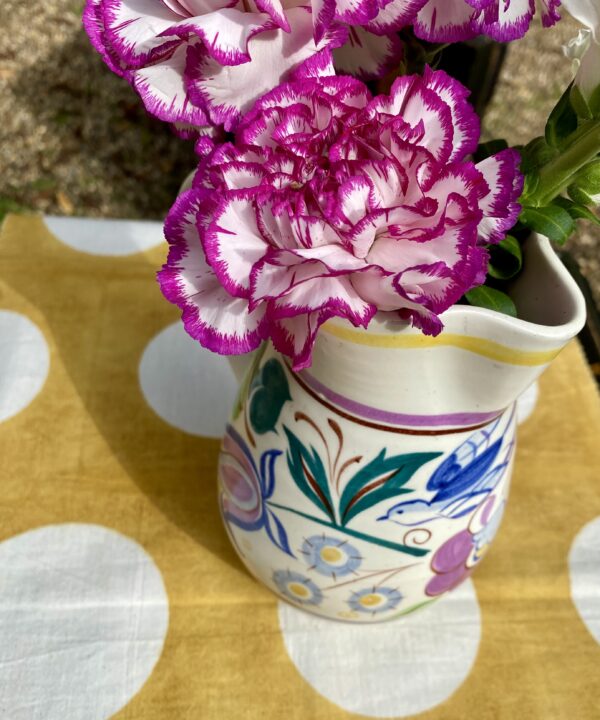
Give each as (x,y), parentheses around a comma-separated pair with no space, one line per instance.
(502,20)
(331,203)
(200,65)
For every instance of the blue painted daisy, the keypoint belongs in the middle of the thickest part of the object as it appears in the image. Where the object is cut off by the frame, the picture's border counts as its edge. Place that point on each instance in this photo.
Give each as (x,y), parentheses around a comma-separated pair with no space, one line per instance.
(330,556)
(297,588)
(374,600)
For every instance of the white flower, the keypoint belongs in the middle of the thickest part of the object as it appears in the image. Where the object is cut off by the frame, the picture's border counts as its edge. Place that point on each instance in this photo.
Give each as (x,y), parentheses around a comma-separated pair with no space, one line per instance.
(584,49)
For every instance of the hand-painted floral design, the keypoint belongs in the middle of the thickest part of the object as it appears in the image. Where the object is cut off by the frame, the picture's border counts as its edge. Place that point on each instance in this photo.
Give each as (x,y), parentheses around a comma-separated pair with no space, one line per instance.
(375,600)
(268,393)
(464,479)
(331,203)
(297,588)
(331,556)
(246,489)
(450,564)
(200,65)
(454,561)
(502,20)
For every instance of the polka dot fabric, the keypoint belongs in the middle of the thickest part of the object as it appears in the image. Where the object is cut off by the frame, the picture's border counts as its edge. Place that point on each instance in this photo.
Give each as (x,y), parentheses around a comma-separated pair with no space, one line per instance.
(120,595)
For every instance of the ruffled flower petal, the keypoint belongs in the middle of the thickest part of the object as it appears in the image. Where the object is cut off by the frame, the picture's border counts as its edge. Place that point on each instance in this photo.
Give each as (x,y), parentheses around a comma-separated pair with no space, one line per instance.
(227,92)
(500,204)
(161,88)
(368,56)
(330,203)
(210,315)
(502,20)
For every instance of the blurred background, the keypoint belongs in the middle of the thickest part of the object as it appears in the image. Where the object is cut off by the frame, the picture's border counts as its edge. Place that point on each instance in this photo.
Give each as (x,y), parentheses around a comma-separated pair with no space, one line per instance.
(75,139)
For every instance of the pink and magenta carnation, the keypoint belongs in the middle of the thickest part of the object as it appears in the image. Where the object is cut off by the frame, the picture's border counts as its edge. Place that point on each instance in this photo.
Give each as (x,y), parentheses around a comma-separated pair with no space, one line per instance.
(200,64)
(333,203)
(502,20)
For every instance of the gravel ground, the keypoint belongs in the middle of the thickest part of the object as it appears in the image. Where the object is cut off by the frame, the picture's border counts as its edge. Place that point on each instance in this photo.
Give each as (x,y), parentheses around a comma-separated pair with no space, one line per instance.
(75,140)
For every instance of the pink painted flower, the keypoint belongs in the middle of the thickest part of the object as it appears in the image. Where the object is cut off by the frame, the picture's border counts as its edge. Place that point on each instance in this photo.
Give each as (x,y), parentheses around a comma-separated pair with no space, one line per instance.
(502,20)
(333,203)
(200,64)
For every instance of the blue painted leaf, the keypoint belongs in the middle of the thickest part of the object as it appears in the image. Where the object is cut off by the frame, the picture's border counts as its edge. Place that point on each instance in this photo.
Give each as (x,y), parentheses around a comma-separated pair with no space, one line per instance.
(269,392)
(267,472)
(451,479)
(381,479)
(279,537)
(309,474)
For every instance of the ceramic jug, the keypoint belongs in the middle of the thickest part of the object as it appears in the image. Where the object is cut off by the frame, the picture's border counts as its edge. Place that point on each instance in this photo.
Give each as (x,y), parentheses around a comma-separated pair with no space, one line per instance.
(373,482)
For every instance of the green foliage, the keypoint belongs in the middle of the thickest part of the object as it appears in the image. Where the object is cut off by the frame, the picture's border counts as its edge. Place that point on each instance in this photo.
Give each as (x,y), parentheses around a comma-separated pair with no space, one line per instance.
(536,154)
(576,210)
(491,299)
(562,121)
(552,221)
(506,259)
(585,188)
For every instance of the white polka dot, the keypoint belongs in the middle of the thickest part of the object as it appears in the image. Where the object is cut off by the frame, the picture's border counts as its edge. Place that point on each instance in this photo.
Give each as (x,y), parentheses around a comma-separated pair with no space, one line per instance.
(106,237)
(584,568)
(83,617)
(389,669)
(188,386)
(526,402)
(24,362)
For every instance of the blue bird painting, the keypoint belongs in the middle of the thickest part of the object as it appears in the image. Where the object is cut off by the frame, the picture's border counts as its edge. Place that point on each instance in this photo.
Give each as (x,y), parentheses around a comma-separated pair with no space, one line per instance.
(460,483)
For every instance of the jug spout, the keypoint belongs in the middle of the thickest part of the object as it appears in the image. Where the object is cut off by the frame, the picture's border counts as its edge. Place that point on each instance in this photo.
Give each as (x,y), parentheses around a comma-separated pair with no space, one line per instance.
(480,363)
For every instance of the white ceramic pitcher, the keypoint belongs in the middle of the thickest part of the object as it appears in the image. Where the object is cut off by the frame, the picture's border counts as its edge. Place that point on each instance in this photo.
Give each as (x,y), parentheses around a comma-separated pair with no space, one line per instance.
(372,483)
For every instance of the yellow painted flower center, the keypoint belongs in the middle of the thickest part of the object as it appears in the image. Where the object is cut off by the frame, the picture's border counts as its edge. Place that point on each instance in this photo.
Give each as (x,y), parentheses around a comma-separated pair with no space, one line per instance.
(331,555)
(370,600)
(299,590)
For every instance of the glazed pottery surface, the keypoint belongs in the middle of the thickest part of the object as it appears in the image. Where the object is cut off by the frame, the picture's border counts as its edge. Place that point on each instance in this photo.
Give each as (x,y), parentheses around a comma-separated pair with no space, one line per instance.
(372,483)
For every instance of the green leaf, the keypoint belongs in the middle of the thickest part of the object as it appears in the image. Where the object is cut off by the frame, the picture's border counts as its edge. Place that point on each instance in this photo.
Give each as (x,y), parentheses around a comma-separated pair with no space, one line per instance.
(536,154)
(562,121)
(576,210)
(491,299)
(585,188)
(307,471)
(506,258)
(594,102)
(552,221)
(491,147)
(381,479)
(579,103)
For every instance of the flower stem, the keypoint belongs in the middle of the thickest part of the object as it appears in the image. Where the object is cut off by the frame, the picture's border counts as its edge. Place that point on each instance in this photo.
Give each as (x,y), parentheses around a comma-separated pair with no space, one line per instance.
(416,552)
(558,174)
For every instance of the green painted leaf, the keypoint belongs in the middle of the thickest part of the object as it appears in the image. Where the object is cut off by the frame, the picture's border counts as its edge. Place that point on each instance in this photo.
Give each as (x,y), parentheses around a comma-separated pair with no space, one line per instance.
(506,258)
(381,479)
(576,210)
(270,390)
(562,121)
(552,221)
(308,472)
(491,299)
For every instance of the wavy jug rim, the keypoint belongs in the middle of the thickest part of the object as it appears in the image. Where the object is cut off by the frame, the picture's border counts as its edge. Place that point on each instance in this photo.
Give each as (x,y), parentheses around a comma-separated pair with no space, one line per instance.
(464,316)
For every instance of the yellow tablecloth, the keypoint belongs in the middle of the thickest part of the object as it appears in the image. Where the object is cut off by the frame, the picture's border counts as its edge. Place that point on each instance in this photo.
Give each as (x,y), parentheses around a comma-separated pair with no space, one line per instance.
(88,464)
